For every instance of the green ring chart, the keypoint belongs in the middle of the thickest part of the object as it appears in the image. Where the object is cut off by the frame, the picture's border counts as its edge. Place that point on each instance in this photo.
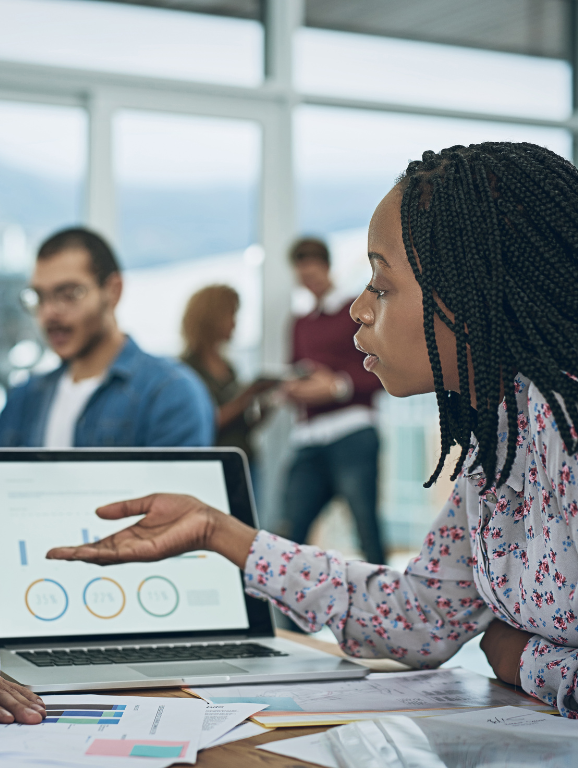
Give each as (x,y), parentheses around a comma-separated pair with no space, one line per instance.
(158,596)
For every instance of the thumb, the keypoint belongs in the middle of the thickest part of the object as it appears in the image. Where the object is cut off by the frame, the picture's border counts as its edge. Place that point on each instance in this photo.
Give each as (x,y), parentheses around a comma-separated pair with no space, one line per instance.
(128,508)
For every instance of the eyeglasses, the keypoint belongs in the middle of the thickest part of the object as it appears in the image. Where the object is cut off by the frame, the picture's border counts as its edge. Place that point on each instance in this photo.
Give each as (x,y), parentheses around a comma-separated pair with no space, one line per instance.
(64,297)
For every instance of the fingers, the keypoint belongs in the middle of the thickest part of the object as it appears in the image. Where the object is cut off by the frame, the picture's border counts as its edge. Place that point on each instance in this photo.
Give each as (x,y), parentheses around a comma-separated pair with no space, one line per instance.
(20,705)
(128,508)
(31,697)
(85,553)
(101,556)
(121,547)
(93,553)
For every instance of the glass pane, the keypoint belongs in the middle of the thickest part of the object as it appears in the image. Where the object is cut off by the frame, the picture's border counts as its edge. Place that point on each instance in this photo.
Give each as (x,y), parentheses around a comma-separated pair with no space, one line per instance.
(346,161)
(42,172)
(444,76)
(135,40)
(187,191)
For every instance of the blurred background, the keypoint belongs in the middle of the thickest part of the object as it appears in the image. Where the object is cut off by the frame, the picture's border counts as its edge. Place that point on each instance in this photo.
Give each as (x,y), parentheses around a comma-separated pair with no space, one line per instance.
(202,136)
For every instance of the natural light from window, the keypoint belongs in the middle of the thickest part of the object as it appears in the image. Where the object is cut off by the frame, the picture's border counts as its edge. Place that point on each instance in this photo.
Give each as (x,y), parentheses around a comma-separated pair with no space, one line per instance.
(131,39)
(431,75)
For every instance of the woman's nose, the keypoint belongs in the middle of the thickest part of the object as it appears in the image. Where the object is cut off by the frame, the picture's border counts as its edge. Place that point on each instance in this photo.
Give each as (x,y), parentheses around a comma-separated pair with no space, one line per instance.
(360,310)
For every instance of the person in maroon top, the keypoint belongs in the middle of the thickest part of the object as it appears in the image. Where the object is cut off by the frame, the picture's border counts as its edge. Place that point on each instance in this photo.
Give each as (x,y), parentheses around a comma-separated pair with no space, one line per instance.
(335,437)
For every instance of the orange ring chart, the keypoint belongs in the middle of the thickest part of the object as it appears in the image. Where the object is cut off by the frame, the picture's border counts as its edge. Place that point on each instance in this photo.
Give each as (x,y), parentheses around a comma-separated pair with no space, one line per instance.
(104,598)
(46,599)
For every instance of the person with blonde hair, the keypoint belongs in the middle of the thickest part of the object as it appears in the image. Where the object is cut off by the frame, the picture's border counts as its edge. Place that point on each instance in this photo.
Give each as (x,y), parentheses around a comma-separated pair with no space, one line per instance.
(208,323)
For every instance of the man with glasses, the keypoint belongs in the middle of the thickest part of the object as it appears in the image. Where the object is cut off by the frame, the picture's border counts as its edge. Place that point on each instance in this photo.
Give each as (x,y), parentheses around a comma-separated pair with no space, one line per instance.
(107,392)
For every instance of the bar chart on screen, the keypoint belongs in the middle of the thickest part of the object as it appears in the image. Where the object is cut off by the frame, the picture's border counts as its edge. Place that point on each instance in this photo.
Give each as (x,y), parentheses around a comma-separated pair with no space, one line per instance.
(86,539)
(53,504)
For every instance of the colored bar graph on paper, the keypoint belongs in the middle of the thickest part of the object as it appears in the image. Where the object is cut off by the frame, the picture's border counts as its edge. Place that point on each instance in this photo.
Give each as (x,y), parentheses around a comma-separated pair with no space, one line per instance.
(85,536)
(84,714)
(55,706)
(137,748)
(23,555)
(83,720)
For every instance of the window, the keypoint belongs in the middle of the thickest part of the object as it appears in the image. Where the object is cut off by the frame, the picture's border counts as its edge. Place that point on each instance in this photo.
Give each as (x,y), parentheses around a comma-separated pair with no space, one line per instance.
(42,175)
(187,191)
(431,75)
(346,161)
(132,40)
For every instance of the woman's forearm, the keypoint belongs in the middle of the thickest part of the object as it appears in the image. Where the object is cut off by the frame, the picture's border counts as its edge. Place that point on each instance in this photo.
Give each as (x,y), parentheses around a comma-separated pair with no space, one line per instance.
(233,409)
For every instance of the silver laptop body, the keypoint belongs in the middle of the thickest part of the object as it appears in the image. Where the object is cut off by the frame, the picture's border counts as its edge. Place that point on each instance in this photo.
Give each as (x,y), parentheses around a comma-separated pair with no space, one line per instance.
(182,621)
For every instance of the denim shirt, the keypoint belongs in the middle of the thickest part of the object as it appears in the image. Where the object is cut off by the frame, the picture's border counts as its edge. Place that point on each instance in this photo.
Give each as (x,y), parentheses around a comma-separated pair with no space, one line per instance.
(143,401)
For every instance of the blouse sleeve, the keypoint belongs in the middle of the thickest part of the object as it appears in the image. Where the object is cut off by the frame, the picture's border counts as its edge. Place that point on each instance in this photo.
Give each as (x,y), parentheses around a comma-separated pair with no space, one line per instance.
(421,616)
(549,665)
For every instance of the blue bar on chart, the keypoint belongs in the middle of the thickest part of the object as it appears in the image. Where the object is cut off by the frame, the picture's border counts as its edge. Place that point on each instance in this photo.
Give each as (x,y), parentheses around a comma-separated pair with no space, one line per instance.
(23,555)
(85,536)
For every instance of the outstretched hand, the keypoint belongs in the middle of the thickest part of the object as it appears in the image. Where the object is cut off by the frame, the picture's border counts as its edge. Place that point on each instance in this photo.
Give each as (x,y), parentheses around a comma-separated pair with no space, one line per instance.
(172,524)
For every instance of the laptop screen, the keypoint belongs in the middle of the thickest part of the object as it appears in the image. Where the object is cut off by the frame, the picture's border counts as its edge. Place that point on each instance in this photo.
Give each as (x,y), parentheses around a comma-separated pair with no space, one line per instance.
(44,504)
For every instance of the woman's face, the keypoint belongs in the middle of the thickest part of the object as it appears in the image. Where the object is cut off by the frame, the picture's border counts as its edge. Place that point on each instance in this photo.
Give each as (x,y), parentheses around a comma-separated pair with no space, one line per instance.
(227,325)
(392,332)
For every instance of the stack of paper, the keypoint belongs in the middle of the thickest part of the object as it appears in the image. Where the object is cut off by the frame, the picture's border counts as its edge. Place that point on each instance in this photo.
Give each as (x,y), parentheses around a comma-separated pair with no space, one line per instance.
(121,731)
(342,701)
(497,737)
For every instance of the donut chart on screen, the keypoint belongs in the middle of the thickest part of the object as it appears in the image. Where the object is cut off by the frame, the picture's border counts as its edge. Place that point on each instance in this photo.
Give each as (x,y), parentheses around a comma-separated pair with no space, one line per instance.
(158,596)
(104,598)
(46,599)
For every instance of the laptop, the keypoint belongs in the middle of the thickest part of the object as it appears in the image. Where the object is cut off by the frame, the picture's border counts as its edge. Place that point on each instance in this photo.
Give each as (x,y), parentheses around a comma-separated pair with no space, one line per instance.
(72,626)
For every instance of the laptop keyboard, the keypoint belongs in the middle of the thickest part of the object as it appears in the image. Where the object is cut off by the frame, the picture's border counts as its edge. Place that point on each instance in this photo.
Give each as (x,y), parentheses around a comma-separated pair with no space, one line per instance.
(140,655)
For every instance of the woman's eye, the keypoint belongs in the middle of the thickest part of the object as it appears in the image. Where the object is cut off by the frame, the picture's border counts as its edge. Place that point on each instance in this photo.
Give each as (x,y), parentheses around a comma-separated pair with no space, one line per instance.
(369,287)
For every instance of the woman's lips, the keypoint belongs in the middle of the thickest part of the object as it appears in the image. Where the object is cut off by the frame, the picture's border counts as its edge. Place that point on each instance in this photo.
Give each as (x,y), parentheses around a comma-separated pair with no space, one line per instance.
(371,360)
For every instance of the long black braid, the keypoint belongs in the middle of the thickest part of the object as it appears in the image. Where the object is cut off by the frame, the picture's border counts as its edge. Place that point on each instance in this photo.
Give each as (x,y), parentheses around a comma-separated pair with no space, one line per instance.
(491,233)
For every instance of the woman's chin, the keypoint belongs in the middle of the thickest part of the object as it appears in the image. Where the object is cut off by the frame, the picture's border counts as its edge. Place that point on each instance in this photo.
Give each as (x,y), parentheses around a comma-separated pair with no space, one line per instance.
(397,388)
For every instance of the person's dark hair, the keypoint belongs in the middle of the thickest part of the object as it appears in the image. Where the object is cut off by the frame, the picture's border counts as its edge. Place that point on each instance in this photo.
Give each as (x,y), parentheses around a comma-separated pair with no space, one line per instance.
(491,231)
(309,248)
(104,262)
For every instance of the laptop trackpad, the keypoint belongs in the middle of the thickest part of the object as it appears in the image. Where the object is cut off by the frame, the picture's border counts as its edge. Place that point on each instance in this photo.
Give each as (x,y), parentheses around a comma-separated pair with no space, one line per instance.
(188,669)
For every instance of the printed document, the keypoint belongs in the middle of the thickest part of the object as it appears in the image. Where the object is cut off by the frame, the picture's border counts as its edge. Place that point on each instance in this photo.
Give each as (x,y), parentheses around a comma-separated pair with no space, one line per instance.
(142,732)
(377,693)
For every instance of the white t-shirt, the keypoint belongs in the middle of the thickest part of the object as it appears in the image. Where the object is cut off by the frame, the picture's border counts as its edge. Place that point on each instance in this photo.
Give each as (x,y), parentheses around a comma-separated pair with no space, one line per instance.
(68,404)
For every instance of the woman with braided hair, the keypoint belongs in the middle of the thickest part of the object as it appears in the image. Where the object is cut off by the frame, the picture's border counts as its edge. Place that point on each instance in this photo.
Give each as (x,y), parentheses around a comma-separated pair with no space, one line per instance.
(474,295)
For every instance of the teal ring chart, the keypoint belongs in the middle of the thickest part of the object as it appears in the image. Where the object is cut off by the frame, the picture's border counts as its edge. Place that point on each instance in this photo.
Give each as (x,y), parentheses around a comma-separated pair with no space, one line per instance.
(152,613)
(43,618)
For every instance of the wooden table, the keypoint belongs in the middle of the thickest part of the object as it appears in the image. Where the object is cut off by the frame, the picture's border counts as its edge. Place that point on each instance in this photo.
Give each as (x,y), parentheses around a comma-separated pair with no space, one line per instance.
(242,754)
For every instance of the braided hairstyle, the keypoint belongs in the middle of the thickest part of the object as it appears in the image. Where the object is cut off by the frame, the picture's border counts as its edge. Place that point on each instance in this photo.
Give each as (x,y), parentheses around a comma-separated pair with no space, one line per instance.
(491,232)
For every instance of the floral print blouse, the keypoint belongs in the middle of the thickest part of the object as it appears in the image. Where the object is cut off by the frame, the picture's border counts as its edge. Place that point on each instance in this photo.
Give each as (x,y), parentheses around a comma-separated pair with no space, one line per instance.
(510,553)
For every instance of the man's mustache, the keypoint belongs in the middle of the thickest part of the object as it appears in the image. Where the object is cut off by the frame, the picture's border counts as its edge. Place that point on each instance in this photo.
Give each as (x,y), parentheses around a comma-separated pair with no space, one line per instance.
(51,327)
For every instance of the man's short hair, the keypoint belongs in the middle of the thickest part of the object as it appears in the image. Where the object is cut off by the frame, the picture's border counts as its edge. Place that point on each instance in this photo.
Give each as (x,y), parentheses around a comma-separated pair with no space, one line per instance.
(102,258)
(309,248)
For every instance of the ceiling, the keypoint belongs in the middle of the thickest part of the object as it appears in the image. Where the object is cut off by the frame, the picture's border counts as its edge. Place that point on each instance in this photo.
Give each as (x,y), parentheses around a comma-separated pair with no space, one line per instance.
(535,27)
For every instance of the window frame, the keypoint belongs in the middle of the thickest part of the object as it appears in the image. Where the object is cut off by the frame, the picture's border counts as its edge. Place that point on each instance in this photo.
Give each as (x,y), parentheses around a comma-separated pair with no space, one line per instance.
(270,104)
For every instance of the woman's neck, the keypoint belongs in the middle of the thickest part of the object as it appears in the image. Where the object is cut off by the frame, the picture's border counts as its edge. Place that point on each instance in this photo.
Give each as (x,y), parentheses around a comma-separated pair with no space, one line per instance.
(215,363)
